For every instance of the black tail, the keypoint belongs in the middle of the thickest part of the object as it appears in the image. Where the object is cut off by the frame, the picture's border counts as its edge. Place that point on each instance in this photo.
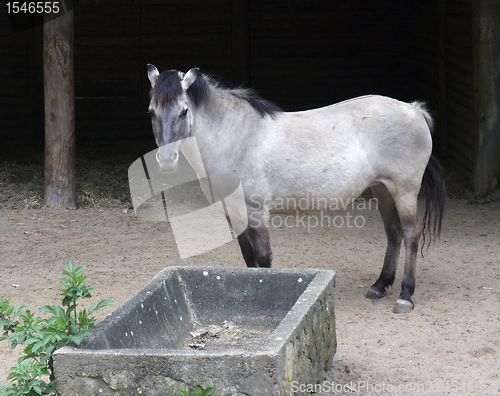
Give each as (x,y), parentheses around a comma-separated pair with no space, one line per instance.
(435,200)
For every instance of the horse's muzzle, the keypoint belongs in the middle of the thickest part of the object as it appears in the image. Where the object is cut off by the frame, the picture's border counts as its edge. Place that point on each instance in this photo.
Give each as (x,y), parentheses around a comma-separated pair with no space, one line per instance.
(168,162)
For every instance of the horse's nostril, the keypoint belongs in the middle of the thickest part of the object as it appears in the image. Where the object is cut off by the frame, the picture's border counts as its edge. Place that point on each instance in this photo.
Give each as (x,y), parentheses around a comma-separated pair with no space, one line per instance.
(173,157)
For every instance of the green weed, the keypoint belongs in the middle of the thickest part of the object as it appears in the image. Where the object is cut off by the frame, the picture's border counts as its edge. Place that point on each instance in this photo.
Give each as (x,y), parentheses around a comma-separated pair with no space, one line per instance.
(42,336)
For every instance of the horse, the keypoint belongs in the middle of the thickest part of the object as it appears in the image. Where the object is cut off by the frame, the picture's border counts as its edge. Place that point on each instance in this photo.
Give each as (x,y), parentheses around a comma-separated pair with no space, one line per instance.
(338,151)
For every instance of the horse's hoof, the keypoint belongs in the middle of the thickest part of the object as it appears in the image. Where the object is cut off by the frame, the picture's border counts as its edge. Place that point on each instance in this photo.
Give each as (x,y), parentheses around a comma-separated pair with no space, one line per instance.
(374,294)
(403,306)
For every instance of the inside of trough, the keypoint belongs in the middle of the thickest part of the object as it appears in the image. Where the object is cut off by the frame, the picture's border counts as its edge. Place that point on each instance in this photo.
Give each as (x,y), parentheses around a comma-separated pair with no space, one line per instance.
(200,309)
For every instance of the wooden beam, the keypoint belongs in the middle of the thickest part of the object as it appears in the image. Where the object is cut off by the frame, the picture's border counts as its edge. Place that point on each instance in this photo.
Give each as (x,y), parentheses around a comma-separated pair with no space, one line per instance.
(59,111)
(486,58)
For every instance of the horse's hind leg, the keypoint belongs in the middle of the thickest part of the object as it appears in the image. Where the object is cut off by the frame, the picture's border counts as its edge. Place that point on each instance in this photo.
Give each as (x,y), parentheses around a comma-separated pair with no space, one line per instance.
(407,210)
(394,233)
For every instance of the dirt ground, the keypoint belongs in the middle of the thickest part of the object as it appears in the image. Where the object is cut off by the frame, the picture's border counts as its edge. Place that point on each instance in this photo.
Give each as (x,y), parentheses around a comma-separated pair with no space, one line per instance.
(450,343)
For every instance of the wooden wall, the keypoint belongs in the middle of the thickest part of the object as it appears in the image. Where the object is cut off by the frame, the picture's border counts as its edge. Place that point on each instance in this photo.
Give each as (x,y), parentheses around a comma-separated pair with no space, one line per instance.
(460,120)
(299,53)
(107,66)
(424,61)
(116,39)
(306,54)
(17,81)
(442,63)
(486,59)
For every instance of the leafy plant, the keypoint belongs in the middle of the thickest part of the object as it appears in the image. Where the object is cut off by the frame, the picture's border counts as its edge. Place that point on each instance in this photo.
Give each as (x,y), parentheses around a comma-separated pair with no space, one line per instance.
(42,336)
(198,391)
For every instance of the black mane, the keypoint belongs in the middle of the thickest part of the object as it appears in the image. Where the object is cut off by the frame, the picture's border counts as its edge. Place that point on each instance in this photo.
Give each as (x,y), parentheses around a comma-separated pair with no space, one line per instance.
(262,106)
(168,87)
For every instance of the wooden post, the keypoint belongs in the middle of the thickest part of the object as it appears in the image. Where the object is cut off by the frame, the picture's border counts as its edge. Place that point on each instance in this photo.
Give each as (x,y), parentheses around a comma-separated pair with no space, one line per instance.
(59,101)
(486,58)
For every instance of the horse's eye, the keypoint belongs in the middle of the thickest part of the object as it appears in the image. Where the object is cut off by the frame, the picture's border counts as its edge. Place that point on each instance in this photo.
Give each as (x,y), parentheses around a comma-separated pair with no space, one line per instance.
(183,114)
(151,113)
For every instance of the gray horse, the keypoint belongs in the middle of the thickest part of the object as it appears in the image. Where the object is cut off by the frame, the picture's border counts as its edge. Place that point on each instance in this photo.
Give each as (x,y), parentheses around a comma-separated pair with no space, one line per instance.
(336,152)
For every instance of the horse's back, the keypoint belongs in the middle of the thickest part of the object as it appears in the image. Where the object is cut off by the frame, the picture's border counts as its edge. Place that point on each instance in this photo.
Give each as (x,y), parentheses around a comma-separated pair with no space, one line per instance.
(366,110)
(350,145)
(368,123)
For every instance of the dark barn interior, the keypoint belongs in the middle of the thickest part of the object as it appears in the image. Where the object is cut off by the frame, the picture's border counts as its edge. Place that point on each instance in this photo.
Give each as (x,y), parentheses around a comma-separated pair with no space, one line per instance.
(298,53)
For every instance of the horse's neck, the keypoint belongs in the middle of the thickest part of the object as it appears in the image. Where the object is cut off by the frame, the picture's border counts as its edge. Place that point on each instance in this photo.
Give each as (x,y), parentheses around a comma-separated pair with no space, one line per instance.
(218,133)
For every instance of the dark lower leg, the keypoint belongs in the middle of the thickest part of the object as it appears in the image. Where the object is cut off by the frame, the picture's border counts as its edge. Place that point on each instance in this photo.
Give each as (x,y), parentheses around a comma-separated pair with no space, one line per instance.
(261,246)
(408,284)
(394,233)
(404,303)
(247,249)
(386,278)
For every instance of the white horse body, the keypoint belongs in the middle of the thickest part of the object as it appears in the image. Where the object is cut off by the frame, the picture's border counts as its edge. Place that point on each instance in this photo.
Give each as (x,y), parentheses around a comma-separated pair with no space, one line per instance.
(334,152)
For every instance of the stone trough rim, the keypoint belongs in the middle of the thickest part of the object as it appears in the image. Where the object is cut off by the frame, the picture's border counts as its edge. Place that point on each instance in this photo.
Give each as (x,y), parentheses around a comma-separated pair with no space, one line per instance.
(270,347)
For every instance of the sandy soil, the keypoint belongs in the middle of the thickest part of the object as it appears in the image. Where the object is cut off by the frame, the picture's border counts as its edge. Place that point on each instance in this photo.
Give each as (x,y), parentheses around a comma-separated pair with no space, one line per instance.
(449,344)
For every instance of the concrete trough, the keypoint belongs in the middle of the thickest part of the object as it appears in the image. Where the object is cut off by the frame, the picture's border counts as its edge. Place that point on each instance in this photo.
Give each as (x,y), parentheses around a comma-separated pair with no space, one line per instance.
(242,331)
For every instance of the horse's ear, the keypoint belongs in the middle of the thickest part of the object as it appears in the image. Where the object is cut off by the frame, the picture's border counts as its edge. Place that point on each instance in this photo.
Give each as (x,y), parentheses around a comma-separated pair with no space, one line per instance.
(189,78)
(153,74)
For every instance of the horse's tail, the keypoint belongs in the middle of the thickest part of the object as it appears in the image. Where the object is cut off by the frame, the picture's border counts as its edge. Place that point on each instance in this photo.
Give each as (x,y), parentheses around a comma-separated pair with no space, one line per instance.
(425,113)
(435,200)
(435,190)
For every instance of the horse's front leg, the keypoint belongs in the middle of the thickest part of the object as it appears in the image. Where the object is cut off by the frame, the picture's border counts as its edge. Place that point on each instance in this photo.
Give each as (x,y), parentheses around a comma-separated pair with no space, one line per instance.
(261,245)
(247,249)
(254,242)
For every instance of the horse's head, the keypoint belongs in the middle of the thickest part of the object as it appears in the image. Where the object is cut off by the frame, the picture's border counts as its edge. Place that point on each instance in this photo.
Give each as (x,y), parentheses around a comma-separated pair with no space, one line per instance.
(170,114)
